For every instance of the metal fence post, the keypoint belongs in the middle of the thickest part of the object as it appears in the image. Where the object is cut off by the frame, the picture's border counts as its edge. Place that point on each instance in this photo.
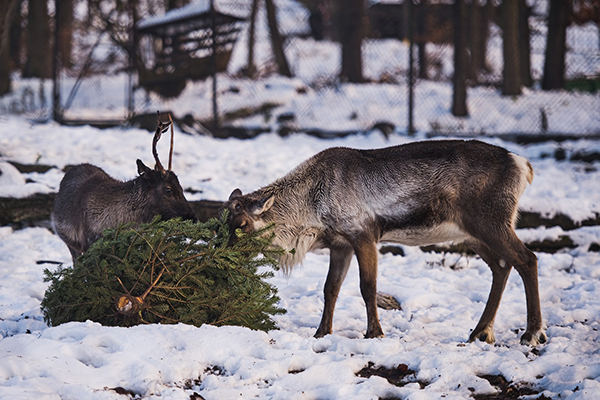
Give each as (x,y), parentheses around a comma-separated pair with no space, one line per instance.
(56,109)
(214,64)
(131,62)
(411,82)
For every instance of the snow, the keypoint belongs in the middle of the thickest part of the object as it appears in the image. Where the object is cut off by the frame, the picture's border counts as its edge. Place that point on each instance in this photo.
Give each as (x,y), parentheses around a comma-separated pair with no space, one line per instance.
(442,295)
(311,95)
(214,167)
(13,184)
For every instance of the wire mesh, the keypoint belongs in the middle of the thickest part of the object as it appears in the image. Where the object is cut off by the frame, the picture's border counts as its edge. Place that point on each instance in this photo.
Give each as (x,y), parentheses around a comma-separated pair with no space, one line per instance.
(98,86)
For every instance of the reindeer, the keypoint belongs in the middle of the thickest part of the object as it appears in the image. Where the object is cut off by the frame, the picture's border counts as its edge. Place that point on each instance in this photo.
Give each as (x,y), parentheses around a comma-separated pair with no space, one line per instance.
(415,194)
(90,201)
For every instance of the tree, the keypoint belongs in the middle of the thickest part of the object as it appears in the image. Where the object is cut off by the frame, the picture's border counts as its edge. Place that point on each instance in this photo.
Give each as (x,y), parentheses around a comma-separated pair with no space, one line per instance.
(39,48)
(524,44)
(459,94)
(15,34)
(351,35)
(554,62)
(64,24)
(276,40)
(421,22)
(173,4)
(251,68)
(7,10)
(511,72)
(168,272)
(478,37)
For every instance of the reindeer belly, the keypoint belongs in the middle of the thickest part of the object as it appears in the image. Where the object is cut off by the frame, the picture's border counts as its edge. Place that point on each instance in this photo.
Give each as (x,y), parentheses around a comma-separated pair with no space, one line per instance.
(421,236)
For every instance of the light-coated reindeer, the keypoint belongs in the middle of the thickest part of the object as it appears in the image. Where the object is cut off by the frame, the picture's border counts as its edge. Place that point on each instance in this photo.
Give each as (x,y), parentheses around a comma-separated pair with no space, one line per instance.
(416,194)
(90,201)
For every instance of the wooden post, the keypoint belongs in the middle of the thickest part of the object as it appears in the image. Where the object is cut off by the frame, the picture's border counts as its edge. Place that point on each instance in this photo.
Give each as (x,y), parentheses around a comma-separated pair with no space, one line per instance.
(411,82)
(213,21)
(56,108)
(459,93)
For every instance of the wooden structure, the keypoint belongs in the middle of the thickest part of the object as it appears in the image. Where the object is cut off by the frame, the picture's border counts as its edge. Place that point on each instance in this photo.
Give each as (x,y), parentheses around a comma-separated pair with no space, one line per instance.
(184,40)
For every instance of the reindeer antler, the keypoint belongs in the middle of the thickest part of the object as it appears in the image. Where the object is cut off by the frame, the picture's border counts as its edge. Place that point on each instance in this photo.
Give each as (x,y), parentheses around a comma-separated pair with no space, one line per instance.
(171,149)
(160,129)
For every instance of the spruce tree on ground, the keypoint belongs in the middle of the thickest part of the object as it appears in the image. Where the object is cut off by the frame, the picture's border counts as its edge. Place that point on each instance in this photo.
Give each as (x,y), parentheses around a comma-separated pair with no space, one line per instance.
(168,272)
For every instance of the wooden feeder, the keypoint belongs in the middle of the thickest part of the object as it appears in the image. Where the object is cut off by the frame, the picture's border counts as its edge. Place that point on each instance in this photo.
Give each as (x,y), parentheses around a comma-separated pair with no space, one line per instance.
(183,45)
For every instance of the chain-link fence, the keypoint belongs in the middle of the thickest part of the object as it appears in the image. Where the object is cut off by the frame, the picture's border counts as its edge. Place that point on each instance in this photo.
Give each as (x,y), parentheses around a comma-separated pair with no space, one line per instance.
(99,87)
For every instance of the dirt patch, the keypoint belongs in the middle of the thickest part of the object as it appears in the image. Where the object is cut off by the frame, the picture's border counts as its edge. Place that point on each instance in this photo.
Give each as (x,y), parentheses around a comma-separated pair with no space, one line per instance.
(508,390)
(401,376)
(28,168)
(398,376)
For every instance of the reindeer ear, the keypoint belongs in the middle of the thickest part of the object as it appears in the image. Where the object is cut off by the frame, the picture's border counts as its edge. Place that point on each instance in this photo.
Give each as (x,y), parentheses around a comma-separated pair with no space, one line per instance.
(142,169)
(263,205)
(235,193)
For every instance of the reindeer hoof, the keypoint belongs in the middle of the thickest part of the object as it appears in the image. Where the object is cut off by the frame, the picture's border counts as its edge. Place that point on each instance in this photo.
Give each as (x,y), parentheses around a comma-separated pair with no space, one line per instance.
(374,334)
(533,339)
(321,333)
(487,335)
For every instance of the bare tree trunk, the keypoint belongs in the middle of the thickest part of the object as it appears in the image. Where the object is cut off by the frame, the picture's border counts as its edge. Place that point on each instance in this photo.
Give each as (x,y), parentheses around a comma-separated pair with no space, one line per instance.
(7,8)
(315,20)
(172,4)
(251,68)
(65,32)
(511,72)
(351,25)
(554,62)
(276,40)
(477,40)
(421,40)
(15,35)
(39,48)
(524,44)
(459,95)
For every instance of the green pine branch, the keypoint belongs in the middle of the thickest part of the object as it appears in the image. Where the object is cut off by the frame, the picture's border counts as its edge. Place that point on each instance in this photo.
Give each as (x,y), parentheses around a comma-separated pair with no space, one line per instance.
(168,272)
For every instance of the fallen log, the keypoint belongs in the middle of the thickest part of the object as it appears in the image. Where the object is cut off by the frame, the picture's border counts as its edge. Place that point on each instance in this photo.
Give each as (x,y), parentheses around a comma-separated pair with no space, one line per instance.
(36,209)
(26,210)
(528,219)
(29,210)
(39,206)
(545,246)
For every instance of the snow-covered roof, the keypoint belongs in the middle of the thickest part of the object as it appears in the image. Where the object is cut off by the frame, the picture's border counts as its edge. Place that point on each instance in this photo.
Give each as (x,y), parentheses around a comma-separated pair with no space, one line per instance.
(398,2)
(194,11)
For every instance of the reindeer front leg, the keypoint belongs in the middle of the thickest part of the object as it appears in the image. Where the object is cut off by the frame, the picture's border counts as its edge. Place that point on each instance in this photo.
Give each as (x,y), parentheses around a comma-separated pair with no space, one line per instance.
(366,253)
(339,261)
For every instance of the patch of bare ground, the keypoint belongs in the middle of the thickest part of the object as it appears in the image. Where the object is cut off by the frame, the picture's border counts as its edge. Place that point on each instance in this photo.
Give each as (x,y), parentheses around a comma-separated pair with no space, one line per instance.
(401,375)
(508,390)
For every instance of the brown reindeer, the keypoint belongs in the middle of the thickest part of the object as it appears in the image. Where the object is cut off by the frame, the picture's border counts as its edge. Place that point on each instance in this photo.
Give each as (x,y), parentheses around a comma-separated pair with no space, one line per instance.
(416,194)
(90,201)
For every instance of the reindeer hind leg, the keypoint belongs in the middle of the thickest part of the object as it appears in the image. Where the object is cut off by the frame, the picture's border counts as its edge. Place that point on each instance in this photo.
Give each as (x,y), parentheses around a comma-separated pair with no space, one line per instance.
(513,252)
(484,330)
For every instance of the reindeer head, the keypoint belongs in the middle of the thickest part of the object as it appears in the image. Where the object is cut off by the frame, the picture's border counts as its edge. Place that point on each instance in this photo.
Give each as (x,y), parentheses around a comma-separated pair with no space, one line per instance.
(163,192)
(245,211)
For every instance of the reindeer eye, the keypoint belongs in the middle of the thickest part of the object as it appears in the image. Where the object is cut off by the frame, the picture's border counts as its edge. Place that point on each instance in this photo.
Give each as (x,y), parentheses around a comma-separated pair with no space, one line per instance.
(238,207)
(168,190)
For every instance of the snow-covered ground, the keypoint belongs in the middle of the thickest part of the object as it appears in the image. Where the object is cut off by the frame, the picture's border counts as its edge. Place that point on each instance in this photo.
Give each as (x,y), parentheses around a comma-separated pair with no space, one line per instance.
(442,295)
